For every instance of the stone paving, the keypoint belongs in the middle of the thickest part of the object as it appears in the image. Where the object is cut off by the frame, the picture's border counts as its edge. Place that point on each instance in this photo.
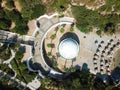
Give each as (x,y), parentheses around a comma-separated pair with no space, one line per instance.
(45,25)
(88,46)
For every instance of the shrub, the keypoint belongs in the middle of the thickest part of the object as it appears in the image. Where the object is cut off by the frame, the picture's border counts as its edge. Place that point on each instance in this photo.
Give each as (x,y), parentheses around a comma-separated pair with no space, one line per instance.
(50,45)
(71,29)
(5,24)
(99,32)
(13,15)
(62,30)
(49,54)
(55,64)
(19,55)
(2,13)
(10,4)
(21,27)
(5,53)
(73,69)
(53,36)
(38,10)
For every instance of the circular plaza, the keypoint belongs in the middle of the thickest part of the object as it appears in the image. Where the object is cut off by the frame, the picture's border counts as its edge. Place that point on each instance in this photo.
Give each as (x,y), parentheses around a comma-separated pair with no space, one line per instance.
(60,46)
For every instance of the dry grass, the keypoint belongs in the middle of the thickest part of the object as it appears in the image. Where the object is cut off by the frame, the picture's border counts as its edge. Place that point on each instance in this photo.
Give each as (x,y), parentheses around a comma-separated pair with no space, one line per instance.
(117,58)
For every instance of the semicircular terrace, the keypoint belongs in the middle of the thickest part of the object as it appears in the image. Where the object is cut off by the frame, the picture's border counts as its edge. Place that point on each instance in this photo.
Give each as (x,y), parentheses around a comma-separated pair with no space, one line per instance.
(46,24)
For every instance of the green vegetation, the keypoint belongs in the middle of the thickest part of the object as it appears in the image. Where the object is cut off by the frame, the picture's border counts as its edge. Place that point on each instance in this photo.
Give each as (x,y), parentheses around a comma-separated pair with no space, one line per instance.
(53,36)
(21,24)
(5,24)
(31,9)
(99,32)
(87,19)
(13,15)
(78,80)
(5,68)
(60,5)
(2,13)
(72,82)
(14,46)
(55,64)
(21,28)
(19,55)
(109,4)
(10,4)
(72,69)
(50,45)
(21,69)
(71,29)
(62,30)
(49,54)
(5,52)
(4,85)
(66,69)
(9,16)
(38,10)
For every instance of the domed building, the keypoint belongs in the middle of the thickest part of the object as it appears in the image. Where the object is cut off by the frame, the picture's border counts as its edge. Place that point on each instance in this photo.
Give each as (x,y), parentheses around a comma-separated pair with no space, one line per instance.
(68,48)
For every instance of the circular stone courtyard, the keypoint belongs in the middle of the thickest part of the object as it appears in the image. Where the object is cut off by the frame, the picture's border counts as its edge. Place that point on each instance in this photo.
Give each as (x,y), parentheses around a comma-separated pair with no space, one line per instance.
(61,47)
(88,51)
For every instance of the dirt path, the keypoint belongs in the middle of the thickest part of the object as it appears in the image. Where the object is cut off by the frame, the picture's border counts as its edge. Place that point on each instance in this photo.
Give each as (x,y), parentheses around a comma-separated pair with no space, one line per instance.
(31,26)
(17,5)
(117,58)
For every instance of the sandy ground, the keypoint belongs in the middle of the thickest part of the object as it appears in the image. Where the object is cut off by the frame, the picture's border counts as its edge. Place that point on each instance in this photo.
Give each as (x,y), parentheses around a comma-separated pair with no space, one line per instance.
(61,61)
(27,53)
(117,59)
(12,26)
(87,48)
(31,26)
(17,5)
(89,4)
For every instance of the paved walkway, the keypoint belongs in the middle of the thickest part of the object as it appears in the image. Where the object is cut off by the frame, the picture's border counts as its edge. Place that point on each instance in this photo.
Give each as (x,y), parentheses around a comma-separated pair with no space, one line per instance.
(46,24)
(11,58)
(6,36)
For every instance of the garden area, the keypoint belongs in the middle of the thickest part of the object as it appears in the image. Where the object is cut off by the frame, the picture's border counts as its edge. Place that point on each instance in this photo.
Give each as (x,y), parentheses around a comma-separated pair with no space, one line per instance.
(16,21)
(79,80)
(51,43)
(21,69)
(60,5)
(22,72)
(86,20)
(5,52)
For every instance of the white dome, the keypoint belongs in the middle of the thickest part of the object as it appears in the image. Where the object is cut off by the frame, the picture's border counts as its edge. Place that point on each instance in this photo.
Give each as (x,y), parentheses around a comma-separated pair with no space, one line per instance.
(68,48)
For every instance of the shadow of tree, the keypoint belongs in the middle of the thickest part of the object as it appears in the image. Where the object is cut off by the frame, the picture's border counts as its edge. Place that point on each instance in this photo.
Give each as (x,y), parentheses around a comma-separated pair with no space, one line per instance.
(70,35)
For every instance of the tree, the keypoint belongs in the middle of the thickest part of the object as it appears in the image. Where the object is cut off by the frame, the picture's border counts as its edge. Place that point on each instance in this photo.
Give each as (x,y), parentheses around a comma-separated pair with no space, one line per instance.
(50,45)
(13,15)
(55,64)
(19,55)
(31,10)
(49,54)
(5,53)
(22,30)
(38,10)
(10,4)
(21,27)
(5,24)
(45,82)
(53,36)
(62,30)
(73,69)
(2,13)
